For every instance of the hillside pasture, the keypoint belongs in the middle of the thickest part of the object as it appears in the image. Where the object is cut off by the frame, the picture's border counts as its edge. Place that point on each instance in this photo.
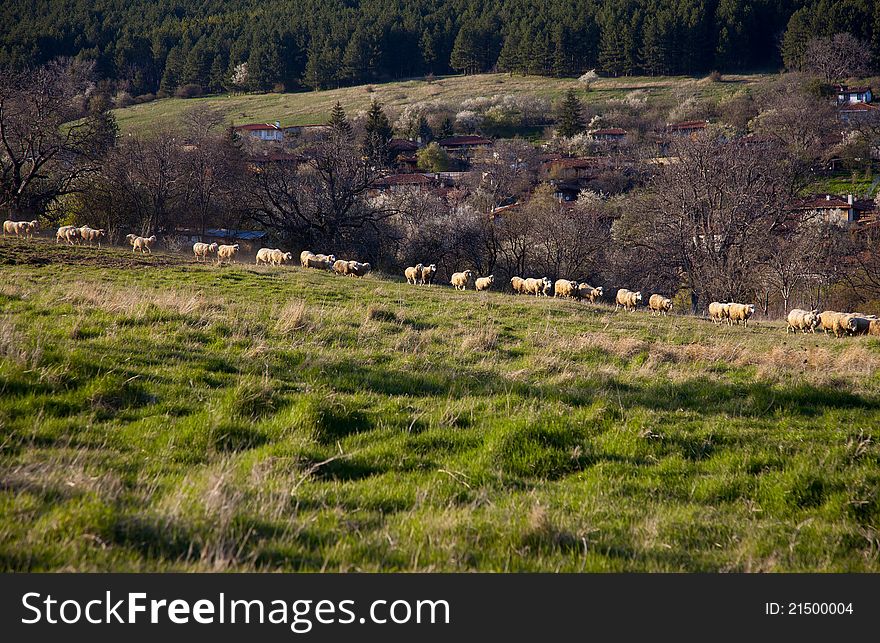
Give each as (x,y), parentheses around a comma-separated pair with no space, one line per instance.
(161,415)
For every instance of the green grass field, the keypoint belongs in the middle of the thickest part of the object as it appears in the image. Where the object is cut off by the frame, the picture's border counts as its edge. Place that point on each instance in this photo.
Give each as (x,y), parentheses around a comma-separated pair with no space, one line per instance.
(314,107)
(156,414)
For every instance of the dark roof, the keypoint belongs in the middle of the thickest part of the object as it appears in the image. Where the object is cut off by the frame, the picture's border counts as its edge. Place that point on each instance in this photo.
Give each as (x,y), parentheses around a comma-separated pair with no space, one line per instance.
(464,141)
(402,145)
(244,235)
(276,157)
(254,127)
(843,89)
(577,163)
(821,202)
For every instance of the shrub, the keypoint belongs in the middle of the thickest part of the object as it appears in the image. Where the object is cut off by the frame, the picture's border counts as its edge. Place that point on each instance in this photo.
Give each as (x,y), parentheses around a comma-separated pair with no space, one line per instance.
(188,91)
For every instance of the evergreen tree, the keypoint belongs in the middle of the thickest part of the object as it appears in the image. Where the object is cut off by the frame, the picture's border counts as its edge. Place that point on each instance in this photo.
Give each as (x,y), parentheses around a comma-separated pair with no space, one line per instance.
(197,68)
(357,59)
(571,121)
(217,75)
(377,135)
(339,122)
(446,129)
(468,54)
(173,71)
(428,47)
(509,59)
(800,31)
(264,65)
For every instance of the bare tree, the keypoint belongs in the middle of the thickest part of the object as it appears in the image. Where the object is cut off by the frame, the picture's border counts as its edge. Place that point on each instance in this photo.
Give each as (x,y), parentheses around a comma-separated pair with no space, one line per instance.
(837,57)
(47,146)
(713,214)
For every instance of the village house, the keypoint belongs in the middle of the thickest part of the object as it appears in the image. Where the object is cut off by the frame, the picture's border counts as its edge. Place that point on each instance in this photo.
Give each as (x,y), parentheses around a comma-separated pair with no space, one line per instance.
(609,135)
(853,94)
(261,131)
(461,148)
(851,112)
(834,209)
(686,128)
(403,154)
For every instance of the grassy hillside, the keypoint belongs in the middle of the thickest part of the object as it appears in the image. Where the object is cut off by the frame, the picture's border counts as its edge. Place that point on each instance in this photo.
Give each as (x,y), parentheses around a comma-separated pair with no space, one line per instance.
(314,107)
(156,414)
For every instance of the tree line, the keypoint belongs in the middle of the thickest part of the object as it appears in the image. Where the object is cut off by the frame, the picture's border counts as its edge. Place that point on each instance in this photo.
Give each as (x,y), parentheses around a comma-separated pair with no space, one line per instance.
(161,46)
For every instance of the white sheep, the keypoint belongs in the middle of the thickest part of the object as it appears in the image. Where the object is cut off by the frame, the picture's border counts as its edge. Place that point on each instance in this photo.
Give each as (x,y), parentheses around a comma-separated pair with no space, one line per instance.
(484,283)
(144,244)
(226,253)
(413,274)
(461,280)
(200,250)
(719,312)
(357,269)
(740,313)
(518,284)
(92,234)
(802,320)
(627,299)
(428,273)
(64,232)
(659,305)
(565,288)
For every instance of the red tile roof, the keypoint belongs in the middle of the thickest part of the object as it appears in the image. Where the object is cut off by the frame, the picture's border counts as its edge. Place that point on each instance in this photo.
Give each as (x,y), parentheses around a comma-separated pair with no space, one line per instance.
(402,145)
(821,202)
(857,107)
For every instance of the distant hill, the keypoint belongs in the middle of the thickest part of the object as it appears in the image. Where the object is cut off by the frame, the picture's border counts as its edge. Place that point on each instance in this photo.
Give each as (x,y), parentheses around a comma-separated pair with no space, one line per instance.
(314,107)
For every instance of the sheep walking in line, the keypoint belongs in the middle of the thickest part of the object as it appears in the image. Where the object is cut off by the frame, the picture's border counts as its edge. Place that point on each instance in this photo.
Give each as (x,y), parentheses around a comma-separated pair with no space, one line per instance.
(586,291)
(272,256)
(737,313)
(627,299)
(413,274)
(484,283)
(566,288)
(357,269)
(428,273)
(719,312)
(226,253)
(805,321)
(518,284)
(309,259)
(462,280)
(538,287)
(203,250)
(91,235)
(20,228)
(144,244)
(659,305)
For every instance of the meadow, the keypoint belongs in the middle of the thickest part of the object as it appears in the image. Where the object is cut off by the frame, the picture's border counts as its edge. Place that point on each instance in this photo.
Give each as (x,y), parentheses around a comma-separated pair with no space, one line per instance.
(159,415)
(305,108)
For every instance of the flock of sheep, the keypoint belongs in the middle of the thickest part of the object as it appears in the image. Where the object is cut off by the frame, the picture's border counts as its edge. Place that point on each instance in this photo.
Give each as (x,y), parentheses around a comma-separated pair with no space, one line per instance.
(806,321)
(20,228)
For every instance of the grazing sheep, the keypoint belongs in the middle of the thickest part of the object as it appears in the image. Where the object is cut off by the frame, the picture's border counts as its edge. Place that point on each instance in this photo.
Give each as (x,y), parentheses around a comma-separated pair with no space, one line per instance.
(586,291)
(532,286)
(719,312)
(627,299)
(874,327)
(484,283)
(461,280)
(860,324)
(566,288)
(413,274)
(340,267)
(357,269)
(659,305)
(827,319)
(227,253)
(844,324)
(200,250)
(144,244)
(10,227)
(310,260)
(802,320)
(428,273)
(518,284)
(264,255)
(740,313)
